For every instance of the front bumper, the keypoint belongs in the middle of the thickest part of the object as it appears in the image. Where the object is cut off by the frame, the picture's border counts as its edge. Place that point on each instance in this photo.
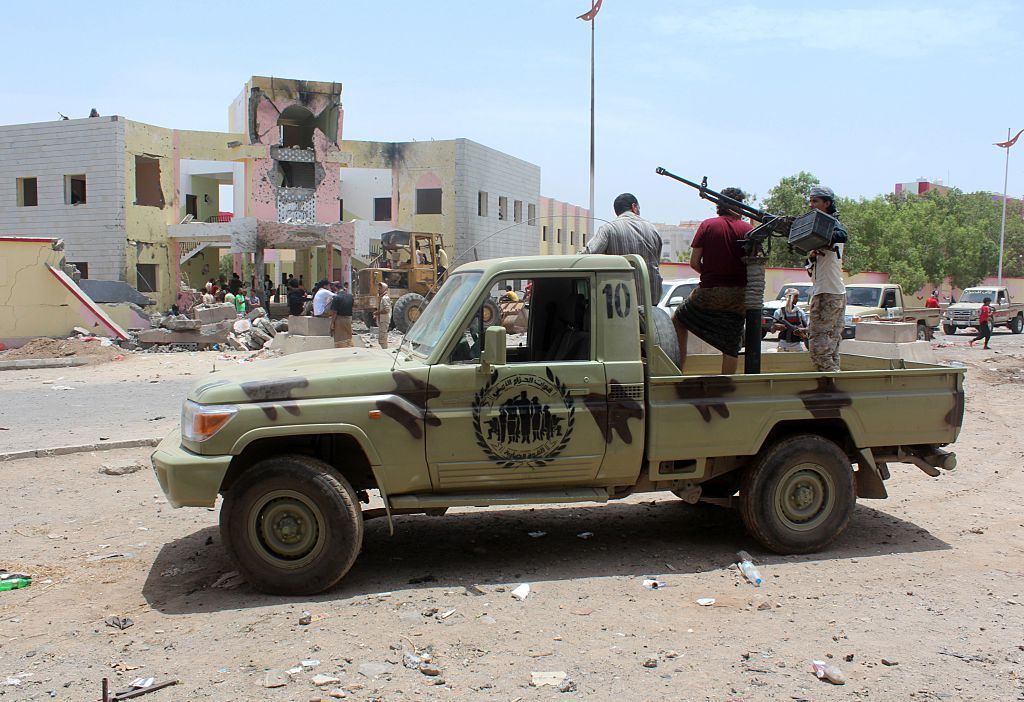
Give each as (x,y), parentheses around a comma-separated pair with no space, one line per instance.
(188,479)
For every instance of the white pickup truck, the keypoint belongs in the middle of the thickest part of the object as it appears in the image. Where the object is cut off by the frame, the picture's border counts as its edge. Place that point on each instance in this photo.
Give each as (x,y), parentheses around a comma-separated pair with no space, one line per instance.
(964,313)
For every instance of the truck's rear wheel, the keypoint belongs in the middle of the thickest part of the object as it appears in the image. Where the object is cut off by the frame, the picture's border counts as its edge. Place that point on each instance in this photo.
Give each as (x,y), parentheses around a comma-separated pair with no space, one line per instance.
(923,333)
(292,525)
(665,334)
(1017,324)
(948,330)
(799,495)
(407,310)
(490,314)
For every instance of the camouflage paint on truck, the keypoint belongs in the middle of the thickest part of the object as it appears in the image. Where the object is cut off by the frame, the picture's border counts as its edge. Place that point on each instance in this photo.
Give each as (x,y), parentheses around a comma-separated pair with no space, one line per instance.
(583,407)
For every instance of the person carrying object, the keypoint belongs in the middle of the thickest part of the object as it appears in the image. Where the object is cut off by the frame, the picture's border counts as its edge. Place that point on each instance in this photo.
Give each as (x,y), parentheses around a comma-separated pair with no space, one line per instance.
(715,309)
(828,294)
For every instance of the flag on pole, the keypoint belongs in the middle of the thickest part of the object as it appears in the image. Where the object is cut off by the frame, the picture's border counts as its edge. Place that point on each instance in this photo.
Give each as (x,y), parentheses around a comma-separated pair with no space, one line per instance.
(592,13)
(1003,144)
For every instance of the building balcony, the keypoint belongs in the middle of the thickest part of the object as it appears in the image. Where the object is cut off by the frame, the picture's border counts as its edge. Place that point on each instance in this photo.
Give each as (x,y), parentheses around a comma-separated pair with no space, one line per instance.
(291,154)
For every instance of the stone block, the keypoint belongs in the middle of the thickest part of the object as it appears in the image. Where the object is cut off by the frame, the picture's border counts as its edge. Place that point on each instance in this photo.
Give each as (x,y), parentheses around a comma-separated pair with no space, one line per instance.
(183,324)
(309,326)
(166,336)
(888,332)
(212,315)
(920,351)
(298,344)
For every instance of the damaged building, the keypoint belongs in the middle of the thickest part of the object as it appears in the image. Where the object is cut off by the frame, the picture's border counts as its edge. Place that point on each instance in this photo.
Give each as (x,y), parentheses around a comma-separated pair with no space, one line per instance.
(281,192)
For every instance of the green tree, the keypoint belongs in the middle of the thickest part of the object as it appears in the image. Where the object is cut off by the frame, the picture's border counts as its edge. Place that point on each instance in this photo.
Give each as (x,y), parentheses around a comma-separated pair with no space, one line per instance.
(788,198)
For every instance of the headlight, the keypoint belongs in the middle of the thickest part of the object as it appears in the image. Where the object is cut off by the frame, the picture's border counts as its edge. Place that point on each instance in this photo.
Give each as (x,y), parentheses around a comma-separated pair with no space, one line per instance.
(200,422)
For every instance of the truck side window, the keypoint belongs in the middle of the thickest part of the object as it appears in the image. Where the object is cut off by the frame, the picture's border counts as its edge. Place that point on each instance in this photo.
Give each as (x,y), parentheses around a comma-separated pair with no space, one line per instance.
(1002,298)
(545,319)
(889,299)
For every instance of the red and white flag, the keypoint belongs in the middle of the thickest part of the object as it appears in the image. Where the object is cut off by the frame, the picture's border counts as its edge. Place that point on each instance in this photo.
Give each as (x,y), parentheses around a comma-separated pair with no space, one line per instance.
(592,13)
(1003,144)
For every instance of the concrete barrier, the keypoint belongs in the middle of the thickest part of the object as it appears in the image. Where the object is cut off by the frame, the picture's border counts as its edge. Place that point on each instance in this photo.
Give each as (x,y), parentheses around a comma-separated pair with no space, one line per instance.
(309,326)
(920,351)
(888,332)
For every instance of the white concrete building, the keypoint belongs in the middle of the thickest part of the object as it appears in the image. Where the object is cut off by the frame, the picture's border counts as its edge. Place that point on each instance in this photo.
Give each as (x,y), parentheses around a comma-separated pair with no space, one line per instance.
(66,179)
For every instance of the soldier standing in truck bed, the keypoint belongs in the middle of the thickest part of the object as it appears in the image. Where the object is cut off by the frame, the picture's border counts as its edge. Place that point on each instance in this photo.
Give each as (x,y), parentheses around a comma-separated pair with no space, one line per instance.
(629,233)
(828,296)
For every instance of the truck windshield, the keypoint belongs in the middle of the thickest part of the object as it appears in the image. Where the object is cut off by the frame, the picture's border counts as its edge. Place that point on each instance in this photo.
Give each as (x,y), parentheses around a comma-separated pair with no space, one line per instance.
(977,295)
(863,297)
(441,311)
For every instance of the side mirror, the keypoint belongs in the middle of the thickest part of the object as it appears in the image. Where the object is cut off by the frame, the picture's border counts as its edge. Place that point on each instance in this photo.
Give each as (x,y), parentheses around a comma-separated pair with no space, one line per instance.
(494,353)
(675,301)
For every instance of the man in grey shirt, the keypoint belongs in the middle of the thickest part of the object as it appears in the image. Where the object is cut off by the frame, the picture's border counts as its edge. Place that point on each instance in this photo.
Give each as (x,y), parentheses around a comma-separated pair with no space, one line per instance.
(629,233)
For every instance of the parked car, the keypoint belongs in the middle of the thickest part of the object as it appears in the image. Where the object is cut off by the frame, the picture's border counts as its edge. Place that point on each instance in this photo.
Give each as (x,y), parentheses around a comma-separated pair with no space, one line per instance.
(885,301)
(673,292)
(965,312)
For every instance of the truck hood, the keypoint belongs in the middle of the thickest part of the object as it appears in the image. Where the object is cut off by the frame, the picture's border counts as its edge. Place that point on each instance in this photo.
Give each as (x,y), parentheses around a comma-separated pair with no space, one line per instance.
(965,306)
(858,311)
(309,375)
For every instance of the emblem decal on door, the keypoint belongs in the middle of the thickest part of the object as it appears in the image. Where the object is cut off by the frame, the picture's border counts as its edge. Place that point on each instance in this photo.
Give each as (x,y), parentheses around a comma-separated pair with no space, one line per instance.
(523,420)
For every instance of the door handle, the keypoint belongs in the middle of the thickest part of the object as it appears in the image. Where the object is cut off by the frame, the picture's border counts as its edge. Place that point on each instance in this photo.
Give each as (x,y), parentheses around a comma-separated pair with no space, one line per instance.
(579,391)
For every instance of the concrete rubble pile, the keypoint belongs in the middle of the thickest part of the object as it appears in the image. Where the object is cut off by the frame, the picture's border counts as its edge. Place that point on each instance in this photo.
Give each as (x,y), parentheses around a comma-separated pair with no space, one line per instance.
(255,331)
(209,326)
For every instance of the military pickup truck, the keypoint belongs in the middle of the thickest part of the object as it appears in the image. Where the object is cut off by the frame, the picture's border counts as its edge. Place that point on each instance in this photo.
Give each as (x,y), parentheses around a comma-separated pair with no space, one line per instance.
(965,312)
(586,406)
(874,301)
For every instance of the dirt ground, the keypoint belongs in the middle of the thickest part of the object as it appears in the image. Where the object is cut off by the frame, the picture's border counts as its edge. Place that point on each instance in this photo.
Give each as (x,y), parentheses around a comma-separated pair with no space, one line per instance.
(929,580)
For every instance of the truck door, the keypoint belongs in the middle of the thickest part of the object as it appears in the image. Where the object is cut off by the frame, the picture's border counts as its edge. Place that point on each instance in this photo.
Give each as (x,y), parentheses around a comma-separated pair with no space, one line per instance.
(532,422)
(893,310)
(1001,310)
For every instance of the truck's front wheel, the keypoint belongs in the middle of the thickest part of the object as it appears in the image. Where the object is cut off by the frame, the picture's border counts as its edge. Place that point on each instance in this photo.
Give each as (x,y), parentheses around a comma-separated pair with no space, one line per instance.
(948,329)
(799,495)
(293,525)
(1017,324)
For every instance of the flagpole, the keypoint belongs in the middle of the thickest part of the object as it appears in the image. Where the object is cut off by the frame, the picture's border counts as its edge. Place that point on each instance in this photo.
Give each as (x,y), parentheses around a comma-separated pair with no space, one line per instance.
(593,21)
(1002,228)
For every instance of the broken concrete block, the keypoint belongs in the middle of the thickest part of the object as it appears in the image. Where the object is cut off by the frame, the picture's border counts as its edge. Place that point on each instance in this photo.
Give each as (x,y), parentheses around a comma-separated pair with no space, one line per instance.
(123,467)
(309,326)
(236,343)
(889,332)
(255,313)
(297,344)
(241,326)
(177,324)
(213,314)
(260,335)
(166,336)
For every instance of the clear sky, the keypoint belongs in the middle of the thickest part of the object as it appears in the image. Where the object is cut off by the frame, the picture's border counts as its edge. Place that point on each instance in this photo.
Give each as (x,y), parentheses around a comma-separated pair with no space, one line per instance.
(862,94)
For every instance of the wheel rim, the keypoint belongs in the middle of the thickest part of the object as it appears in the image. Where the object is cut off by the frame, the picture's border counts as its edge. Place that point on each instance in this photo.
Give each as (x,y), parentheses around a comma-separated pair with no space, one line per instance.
(287,528)
(414,313)
(487,315)
(805,497)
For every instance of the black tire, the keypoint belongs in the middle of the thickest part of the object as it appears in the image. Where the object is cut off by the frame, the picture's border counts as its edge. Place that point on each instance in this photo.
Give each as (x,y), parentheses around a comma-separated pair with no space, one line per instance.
(665,334)
(799,495)
(315,506)
(922,332)
(1017,324)
(407,310)
(949,330)
(491,314)
(368,319)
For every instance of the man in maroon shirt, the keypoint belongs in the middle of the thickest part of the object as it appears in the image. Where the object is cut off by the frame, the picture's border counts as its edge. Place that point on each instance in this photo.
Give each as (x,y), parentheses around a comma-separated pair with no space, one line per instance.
(715,310)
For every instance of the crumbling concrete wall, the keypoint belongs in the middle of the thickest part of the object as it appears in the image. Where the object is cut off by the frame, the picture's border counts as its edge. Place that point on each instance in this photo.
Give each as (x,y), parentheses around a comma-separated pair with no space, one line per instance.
(38,299)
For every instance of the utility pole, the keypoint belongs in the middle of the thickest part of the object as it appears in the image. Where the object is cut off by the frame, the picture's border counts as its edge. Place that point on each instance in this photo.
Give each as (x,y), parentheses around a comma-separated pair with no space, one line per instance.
(590,16)
(1002,227)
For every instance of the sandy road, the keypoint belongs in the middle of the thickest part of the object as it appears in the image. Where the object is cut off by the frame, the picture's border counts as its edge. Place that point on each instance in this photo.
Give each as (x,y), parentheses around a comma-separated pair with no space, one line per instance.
(930,579)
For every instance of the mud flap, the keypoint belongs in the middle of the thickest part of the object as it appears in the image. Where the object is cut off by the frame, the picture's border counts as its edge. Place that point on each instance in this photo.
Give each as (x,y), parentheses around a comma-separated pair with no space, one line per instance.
(378,475)
(870,485)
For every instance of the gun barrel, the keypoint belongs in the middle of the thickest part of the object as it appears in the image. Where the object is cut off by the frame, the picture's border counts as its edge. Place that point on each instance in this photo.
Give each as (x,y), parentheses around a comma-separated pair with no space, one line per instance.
(718,198)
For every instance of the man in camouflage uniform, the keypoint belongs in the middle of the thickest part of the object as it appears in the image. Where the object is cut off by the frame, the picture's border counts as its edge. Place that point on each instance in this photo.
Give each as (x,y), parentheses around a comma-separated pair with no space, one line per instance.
(383,314)
(828,297)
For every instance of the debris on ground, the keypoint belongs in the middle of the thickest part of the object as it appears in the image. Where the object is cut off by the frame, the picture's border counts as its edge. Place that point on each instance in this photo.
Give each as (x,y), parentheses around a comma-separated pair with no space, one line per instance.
(651,584)
(123,467)
(705,601)
(829,673)
(119,622)
(229,581)
(14,581)
(747,567)
(585,535)
(521,592)
(552,678)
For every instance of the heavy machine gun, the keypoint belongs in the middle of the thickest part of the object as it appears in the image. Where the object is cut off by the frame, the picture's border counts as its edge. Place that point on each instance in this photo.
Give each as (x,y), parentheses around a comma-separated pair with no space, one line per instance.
(757,245)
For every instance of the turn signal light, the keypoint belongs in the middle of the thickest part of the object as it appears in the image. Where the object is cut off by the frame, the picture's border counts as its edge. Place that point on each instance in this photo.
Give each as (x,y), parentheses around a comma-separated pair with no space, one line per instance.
(200,422)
